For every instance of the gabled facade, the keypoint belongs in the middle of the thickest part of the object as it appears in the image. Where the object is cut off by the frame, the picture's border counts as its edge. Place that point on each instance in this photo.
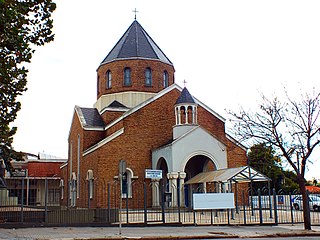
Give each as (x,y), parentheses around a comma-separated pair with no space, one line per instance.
(141,116)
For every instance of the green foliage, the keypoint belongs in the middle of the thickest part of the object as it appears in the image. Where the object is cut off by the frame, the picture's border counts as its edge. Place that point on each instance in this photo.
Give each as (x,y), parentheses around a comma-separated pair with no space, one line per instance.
(262,158)
(23,25)
(290,183)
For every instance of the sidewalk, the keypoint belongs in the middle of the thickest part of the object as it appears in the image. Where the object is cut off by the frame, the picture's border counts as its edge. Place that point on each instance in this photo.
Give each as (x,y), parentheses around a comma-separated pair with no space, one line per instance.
(161,232)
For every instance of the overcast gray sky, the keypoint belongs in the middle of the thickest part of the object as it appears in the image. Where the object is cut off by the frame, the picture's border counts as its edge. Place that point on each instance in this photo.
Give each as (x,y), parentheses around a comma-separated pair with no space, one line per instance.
(227,51)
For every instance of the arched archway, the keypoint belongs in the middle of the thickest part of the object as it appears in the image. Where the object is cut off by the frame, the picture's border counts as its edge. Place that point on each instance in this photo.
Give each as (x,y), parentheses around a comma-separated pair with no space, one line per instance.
(194,166)
(162,165)
(159,186)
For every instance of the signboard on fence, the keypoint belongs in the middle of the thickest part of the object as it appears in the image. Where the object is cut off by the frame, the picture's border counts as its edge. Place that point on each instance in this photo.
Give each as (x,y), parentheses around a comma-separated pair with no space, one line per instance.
(153,174)
(280,199)
(213,201)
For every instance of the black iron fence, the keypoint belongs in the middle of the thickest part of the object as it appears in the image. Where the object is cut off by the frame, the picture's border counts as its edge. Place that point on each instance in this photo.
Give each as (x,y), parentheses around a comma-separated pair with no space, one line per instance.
(147,203)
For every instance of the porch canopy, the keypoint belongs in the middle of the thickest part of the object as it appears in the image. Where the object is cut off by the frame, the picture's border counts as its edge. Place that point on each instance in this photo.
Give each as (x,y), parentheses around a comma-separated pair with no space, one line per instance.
(237,175)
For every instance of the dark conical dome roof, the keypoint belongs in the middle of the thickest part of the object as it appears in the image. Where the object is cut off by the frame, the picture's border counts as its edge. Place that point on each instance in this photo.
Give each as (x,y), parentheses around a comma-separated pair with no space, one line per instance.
(136,43)
(185,97)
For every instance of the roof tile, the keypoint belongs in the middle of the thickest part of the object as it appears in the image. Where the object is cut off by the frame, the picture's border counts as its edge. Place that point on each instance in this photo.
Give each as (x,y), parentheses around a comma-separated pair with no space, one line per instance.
(136,43)
(92,117)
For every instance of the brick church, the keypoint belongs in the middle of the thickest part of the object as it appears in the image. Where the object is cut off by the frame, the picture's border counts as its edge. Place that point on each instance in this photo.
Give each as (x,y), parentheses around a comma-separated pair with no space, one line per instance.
(143,117)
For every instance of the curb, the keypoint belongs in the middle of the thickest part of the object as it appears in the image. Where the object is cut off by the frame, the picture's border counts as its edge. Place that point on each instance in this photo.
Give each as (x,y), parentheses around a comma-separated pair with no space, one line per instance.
(216,236)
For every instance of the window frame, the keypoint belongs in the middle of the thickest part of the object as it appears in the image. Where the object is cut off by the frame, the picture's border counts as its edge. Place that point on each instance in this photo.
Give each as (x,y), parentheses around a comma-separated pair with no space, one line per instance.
(129,177)
(165,79)
(108,79)
(127,79)
(148,77)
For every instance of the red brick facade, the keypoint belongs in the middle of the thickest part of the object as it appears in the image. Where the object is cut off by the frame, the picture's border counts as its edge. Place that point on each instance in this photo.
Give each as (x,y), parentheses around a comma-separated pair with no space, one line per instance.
(138,67)
(44,169)
(144,130)
(132,135)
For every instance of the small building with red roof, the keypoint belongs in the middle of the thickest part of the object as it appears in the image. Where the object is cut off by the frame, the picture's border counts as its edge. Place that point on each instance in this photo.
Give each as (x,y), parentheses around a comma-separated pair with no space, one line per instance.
(36,175)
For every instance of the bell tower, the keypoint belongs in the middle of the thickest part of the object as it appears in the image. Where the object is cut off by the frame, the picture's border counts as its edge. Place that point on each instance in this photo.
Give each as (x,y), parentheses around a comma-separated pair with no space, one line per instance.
(133,71)
(185,113)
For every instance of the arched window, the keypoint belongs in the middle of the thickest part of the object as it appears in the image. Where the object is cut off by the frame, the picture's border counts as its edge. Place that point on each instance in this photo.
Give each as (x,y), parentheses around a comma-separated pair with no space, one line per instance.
(148,77)
(127,183)
(108,79)
(127,76)
(165,79)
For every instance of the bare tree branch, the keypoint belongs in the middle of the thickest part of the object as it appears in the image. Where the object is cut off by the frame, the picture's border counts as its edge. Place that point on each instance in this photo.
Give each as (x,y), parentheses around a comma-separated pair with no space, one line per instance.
(291,127)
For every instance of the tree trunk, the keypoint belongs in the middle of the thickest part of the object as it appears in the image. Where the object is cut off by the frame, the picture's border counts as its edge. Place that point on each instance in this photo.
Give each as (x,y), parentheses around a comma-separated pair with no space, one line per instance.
(306,208)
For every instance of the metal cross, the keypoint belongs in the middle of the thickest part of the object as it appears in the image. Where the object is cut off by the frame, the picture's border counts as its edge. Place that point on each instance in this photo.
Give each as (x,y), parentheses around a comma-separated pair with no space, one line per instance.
(184,83)
(135,13)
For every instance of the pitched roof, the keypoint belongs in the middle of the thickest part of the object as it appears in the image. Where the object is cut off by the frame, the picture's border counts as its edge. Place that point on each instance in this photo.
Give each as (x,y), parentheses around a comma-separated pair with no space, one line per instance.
(185,97)
(84,116)
(116,104)
(90,117)
(187,133)
(155,97)
(313,189)
(136,43)
(239,174)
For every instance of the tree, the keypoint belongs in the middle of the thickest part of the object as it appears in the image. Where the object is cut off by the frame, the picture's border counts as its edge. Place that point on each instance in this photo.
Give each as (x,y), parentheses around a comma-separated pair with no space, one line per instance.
(24,24)
(290,181)
(264,159)
(291,127)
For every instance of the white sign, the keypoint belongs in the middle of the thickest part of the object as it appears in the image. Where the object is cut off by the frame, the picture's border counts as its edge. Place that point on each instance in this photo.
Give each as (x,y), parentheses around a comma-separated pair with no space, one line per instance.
(153,174)
(213,201)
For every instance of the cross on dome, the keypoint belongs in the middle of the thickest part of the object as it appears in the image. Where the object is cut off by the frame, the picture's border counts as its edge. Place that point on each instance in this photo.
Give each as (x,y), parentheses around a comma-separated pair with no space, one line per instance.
(135,13)
(184,83)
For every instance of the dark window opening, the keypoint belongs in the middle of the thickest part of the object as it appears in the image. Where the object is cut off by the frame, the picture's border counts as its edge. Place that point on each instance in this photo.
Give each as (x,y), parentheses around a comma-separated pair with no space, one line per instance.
(148,77)
(127,76)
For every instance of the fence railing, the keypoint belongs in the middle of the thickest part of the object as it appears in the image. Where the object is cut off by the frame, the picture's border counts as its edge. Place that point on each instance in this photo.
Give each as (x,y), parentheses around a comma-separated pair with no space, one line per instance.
(251,207)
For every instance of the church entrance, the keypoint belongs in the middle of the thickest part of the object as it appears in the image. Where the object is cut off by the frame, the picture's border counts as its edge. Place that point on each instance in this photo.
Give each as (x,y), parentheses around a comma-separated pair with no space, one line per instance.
(160,185)
(162,165)
(194,166)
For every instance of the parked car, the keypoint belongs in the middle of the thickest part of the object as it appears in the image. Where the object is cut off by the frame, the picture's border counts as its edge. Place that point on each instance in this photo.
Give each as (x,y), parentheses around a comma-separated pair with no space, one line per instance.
(314,203)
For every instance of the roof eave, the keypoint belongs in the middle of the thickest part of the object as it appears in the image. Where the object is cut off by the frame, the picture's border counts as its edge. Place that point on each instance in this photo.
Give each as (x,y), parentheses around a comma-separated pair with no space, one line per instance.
(134,58)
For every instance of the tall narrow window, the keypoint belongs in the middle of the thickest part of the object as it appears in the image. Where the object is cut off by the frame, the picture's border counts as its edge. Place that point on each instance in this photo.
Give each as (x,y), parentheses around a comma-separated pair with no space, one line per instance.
(98,84)
(127,76)
(127,183)
(165,79)
(108,79)
(70,159)
(78,167)
(148,77)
